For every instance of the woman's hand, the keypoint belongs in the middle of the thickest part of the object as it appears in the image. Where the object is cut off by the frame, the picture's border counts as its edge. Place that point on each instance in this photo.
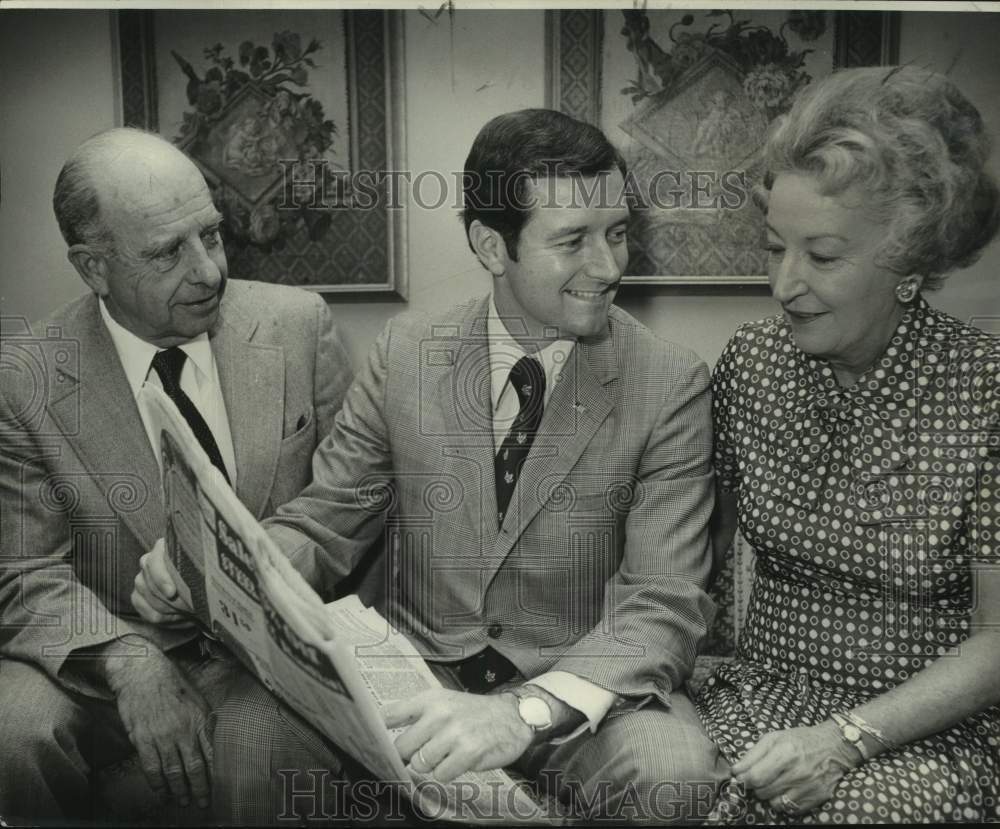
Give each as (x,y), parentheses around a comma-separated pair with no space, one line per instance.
(798,769)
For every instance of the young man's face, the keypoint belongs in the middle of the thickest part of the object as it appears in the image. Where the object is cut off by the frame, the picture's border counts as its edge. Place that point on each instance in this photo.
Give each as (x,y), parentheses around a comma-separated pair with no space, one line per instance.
(570,256)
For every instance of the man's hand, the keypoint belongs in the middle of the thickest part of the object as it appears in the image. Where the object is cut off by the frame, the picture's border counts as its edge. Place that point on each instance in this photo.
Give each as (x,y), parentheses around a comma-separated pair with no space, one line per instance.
(798,769)
(166,719)
(155,596)
(451,732)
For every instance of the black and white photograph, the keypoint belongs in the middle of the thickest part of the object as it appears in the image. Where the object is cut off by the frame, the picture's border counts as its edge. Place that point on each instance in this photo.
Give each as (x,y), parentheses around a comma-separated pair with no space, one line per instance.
(475,413)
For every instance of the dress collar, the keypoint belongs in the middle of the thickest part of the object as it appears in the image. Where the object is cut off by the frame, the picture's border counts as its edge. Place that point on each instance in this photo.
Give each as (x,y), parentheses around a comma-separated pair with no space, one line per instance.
(888,385)
(886,396)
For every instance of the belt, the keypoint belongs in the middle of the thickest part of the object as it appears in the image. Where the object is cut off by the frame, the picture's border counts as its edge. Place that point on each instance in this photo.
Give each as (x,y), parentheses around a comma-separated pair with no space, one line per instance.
(482,672)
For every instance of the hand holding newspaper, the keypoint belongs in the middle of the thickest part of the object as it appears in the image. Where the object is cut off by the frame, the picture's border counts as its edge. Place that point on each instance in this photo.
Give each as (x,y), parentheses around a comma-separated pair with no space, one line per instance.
(337,665)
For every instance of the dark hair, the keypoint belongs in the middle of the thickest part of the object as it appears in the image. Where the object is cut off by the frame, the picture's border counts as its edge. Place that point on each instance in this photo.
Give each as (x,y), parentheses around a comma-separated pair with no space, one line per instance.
(518,147)
(917,148)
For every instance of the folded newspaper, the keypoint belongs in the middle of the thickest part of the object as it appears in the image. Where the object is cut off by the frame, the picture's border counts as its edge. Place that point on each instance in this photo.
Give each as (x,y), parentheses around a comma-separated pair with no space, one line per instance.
(336,664)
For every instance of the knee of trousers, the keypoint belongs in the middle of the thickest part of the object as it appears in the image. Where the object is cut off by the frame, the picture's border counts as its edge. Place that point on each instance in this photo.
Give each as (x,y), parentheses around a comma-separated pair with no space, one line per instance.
(647,767)
(253,726)
(248,713)
(269,766)
(39,721)
(670,784)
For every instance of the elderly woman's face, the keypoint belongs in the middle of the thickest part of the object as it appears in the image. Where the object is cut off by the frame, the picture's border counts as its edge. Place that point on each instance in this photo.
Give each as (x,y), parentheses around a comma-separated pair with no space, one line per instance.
(839,304)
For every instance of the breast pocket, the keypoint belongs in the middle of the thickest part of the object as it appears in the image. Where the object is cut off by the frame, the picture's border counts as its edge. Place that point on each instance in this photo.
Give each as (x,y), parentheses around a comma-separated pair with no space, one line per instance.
(294,469)
(303,422)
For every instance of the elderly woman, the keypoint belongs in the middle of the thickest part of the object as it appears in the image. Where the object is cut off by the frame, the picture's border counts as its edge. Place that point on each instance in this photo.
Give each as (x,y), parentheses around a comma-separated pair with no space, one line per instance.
(859,449)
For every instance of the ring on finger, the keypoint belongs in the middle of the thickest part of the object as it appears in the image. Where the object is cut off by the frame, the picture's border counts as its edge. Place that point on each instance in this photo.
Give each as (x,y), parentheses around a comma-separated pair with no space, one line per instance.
(423,760)
(787,804)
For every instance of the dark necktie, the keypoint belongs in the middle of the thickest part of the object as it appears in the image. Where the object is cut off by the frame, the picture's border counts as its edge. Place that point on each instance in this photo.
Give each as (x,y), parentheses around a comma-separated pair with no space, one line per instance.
(528,380)
(168,364)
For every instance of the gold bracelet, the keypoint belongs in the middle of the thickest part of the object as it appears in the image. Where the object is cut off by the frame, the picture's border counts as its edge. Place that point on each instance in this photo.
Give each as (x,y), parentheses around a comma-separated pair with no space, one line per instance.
(869,729)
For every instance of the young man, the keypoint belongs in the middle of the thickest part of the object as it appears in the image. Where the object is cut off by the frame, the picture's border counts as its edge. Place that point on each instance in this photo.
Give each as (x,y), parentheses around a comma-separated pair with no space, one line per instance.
(550,465)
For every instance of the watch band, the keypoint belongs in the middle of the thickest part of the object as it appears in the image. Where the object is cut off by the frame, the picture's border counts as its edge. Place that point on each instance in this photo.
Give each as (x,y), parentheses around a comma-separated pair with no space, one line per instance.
(852,735)
(869,729)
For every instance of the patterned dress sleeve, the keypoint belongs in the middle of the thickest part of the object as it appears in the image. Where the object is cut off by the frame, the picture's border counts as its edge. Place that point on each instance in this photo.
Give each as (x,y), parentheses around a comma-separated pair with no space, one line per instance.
(725,398)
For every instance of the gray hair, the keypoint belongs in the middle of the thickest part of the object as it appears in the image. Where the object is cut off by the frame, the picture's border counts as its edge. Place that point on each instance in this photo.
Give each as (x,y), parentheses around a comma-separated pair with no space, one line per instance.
(917,148)
(75,200)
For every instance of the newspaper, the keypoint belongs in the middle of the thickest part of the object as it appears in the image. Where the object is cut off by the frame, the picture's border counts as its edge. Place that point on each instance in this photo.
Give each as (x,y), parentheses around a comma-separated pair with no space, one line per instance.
(336,664)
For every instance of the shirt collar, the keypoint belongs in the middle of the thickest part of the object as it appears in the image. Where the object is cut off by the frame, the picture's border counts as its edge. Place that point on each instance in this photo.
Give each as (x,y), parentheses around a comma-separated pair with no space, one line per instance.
(505,352)
(136,354)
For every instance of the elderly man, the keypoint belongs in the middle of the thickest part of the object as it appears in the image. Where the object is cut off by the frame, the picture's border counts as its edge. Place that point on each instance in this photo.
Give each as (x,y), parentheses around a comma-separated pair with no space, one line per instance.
(259,373)
(550,464)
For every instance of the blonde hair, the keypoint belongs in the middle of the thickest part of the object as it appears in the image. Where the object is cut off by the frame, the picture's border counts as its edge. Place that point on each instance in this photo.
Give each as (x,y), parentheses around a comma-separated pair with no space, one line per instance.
(917,149)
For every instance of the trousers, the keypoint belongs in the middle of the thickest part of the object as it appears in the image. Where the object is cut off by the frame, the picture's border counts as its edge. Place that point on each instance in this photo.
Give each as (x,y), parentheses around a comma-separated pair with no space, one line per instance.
(652,765)
(56,740)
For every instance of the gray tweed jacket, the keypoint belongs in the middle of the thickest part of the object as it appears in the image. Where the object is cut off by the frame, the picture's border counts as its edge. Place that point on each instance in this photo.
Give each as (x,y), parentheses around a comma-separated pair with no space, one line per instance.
(80,488)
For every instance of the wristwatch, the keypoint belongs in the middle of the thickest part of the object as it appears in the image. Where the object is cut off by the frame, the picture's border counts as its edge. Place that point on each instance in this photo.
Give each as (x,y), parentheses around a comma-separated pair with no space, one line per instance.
(533,709)
(851,735)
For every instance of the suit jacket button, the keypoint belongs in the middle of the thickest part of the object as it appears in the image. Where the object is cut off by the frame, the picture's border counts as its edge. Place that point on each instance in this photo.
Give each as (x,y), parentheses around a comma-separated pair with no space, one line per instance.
(494,631)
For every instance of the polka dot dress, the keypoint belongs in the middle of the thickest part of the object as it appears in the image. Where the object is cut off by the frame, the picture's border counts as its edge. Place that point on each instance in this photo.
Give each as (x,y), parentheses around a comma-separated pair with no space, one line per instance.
(865,506)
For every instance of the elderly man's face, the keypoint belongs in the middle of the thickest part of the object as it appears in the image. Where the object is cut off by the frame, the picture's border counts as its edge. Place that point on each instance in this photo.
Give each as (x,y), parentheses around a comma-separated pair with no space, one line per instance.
(167,272)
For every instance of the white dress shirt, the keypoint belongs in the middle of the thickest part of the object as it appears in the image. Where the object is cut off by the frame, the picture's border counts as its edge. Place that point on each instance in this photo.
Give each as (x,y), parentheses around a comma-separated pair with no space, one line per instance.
(199,381)
(589,699)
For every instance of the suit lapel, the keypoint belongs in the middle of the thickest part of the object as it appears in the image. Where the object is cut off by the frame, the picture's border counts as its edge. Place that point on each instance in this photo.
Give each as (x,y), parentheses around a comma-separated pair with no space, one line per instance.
(99,417)
(252,376)
(466,409)
(579,404)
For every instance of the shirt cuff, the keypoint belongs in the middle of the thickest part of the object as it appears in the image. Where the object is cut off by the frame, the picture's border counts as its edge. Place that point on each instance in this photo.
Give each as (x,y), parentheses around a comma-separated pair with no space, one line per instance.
(589,699)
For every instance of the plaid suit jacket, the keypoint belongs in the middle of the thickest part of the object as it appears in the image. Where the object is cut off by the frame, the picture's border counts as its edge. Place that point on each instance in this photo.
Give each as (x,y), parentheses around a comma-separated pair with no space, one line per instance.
(80,489)
(600,564)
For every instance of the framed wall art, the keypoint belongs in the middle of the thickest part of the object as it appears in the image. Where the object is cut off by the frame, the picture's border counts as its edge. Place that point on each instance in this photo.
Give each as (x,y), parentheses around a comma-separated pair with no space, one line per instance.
(687,96)
(294,117)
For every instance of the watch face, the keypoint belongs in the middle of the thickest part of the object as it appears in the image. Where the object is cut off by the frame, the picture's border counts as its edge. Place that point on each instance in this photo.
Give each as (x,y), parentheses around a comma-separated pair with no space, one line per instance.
(535,712)
(852,733)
